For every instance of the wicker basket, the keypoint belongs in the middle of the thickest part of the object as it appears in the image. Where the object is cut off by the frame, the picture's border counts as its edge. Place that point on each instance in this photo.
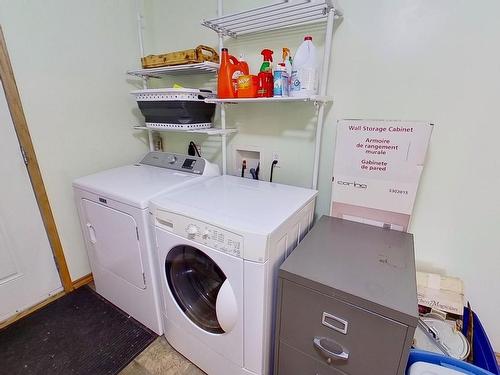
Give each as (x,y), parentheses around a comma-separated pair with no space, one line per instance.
(190,56)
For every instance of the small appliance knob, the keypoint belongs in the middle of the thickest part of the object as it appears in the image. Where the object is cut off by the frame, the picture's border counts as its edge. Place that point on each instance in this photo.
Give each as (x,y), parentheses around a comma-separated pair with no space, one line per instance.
(192,230)
(171,159)
(205,234)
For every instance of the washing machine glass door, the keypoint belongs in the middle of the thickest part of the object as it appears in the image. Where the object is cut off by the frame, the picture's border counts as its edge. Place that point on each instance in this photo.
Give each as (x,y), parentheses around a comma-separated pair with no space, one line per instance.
(195,281)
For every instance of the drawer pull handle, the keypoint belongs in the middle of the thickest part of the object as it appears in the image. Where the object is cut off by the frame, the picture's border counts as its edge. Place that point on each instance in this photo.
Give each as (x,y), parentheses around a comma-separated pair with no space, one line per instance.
(330,349)
(343,323)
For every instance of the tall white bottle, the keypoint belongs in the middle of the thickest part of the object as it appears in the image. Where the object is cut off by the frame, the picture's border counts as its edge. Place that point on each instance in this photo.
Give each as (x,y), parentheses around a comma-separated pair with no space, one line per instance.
(304,80)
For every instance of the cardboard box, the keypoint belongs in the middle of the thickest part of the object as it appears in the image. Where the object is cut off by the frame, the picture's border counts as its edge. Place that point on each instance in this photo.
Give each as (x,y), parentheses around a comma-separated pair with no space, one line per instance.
(377,170)
(440,292)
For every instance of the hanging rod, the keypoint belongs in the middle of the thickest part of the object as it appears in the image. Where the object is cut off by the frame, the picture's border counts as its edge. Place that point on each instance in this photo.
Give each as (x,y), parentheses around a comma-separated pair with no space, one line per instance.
(273,17)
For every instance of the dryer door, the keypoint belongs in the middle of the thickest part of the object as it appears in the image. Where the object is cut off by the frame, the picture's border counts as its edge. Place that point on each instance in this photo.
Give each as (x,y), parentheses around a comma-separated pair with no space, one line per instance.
(114,239)
(201,289)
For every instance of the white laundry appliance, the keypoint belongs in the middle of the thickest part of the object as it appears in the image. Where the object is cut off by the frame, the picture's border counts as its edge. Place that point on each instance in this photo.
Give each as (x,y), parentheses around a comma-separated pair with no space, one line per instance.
(220,245)
(114,215)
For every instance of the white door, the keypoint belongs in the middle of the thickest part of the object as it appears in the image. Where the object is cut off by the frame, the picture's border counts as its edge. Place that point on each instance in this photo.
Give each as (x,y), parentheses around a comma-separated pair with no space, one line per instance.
(28,273)
(115,245)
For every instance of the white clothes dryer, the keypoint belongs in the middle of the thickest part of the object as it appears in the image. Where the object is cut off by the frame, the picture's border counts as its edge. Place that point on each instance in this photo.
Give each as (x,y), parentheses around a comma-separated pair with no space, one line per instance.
(220,245)
(114,216)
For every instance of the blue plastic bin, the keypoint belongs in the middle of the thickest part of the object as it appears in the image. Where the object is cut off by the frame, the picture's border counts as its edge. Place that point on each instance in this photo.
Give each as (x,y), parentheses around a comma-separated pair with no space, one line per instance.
(442,360)
(484,356)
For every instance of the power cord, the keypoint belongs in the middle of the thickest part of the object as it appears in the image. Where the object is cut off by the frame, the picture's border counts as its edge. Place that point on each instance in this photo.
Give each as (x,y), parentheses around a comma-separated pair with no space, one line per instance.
(272,169)
(243,167)
(255,172)
(193,150)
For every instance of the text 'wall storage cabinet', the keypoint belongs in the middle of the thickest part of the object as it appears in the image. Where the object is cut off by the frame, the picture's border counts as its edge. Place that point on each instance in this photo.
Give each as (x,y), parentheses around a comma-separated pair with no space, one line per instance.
(347,302)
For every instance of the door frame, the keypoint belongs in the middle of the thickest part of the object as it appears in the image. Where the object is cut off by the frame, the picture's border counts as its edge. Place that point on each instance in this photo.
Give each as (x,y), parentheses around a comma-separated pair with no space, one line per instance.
(28,152)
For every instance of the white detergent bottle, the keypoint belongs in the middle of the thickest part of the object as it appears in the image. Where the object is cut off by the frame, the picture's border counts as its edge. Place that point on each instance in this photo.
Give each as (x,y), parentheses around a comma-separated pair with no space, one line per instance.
(304,70)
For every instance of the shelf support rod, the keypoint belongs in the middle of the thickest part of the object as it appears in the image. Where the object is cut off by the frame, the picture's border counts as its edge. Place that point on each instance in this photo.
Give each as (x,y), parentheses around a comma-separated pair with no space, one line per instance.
(224,137)
(322,92)
(139,4)
(220,13)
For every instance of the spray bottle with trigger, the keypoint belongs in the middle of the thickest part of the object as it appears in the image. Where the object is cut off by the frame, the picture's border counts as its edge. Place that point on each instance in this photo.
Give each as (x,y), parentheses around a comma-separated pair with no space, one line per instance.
(266,81)
(287,59)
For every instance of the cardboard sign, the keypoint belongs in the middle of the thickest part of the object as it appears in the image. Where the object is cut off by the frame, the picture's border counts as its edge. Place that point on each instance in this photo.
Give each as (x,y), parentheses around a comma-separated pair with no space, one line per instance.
(377,169)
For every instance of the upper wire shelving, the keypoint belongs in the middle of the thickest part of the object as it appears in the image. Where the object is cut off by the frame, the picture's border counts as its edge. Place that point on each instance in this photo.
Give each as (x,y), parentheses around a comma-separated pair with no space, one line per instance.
(273,17)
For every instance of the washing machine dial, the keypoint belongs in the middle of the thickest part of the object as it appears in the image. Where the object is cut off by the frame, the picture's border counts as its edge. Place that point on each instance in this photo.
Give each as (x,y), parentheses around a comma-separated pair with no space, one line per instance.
(171,159)
(192,230)
(205,234)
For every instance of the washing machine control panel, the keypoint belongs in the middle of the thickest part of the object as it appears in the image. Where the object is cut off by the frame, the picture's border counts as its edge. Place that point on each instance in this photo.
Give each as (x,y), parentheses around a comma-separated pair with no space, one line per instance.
(214,237)
(201,232)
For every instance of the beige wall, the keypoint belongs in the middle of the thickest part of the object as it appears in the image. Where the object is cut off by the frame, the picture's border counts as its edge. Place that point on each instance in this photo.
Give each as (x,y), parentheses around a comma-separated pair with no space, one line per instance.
(393,59)
(70,58)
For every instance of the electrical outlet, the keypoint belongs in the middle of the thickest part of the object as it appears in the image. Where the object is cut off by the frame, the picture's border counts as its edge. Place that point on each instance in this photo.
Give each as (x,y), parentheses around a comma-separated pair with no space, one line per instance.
(276,157)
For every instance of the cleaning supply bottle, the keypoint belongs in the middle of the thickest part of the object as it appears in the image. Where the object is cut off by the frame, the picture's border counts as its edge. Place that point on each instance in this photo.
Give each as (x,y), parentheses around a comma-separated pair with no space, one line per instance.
(244,65)
(229,71)
(287,60)
(240,69)
(225,86)
(304,70)
(266,81)
(248,86)
(280,80)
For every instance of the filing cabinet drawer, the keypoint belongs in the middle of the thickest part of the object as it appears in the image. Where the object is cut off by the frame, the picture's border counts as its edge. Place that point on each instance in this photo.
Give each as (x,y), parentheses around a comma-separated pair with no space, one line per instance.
(346,337)
(293,362)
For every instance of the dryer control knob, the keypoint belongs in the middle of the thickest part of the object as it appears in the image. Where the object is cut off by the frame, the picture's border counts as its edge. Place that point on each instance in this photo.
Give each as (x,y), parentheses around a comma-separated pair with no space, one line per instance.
(192,230)
(205,234)
(171,159)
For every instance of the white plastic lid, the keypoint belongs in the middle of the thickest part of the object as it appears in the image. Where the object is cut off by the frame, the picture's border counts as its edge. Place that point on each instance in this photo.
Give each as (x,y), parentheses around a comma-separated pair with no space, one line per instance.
(424,368)
(454,340)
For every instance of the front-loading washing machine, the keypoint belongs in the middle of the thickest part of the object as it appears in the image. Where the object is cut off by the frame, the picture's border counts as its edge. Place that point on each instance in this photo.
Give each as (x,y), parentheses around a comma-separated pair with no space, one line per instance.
(114,216)
(220,244)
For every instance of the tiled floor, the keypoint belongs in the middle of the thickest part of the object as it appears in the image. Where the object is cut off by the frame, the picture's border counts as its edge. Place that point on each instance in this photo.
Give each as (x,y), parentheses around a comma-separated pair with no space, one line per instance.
(160,358)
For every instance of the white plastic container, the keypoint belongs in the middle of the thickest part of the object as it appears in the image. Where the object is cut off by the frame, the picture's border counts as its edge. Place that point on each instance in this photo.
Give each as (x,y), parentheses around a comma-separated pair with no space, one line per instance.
(304,81)
(423,368)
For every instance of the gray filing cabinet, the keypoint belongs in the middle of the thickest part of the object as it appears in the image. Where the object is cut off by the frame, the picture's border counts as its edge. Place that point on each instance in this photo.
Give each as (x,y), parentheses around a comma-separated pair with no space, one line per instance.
(347,302)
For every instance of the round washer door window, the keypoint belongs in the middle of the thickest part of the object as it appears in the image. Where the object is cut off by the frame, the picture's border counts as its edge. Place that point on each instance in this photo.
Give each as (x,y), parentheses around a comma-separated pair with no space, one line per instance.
(195,280)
